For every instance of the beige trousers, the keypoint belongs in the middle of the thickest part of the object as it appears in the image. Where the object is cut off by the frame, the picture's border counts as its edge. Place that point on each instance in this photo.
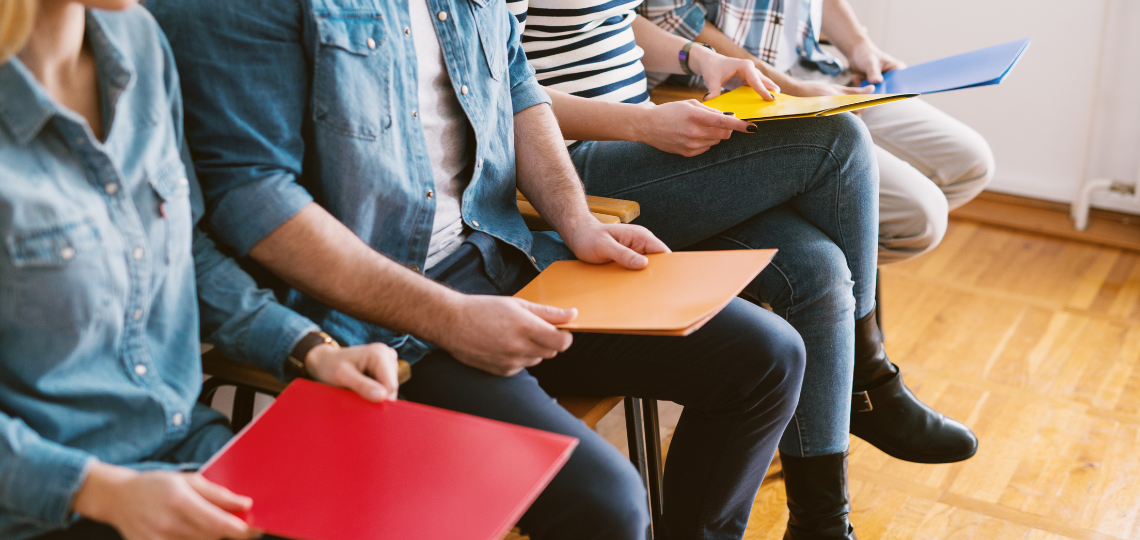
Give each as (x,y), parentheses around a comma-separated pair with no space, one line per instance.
(929,164)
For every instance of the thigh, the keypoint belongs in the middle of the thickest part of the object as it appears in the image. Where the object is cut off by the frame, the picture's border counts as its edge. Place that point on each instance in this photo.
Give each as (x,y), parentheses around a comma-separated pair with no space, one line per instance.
(687,199)
(913,212)
(743,349)
(807,266)
(943,149)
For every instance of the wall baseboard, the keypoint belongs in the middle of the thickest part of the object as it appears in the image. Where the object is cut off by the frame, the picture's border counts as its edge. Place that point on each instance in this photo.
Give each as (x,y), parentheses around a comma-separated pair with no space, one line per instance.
(1107,228)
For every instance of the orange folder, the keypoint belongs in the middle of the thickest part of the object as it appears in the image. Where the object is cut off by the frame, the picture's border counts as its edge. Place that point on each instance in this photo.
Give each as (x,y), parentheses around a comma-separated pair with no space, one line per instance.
(674,296)
(322,463)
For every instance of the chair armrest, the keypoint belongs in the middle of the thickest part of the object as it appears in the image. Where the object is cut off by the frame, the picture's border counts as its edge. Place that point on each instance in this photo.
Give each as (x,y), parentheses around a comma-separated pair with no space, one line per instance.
(666,93)
(604,209)
(216,365)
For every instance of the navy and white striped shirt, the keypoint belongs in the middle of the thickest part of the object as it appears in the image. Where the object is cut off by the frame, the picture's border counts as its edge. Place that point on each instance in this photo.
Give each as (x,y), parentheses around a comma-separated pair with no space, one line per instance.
(584,47)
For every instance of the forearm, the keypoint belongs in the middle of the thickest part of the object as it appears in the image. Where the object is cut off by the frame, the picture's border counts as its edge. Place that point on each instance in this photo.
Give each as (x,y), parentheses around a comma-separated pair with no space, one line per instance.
(594,119)
(725,45)
(660,46)
(842,26)
(544,172)
(322,258)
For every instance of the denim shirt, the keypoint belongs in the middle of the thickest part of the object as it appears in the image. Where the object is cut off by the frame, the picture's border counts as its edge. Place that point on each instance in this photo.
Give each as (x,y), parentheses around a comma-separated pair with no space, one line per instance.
(103,280)
(296,101)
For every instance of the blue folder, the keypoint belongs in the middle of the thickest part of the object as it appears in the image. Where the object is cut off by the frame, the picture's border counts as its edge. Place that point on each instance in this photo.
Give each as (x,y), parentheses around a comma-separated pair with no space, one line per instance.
(982,67)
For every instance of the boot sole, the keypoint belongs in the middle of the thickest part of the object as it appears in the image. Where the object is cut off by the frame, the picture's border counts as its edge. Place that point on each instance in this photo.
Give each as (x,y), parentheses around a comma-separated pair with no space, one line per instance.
(915,458)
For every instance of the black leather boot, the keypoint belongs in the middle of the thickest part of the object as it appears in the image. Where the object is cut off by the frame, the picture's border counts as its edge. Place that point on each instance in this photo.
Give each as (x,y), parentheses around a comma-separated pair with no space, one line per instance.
(817,497)
(886,414)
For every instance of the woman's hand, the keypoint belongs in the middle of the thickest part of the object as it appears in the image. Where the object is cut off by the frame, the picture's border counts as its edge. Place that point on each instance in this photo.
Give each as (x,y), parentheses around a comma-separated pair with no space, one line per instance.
(161,505)
(369,370)
(717,69)
(687,128)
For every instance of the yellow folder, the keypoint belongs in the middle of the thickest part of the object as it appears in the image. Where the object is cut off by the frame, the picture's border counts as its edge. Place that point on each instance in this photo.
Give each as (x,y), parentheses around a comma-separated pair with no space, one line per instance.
(673,296)
(749,106)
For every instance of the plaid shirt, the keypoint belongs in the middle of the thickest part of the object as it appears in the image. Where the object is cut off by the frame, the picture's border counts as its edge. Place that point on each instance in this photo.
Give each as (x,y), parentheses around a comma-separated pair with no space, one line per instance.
(755,25)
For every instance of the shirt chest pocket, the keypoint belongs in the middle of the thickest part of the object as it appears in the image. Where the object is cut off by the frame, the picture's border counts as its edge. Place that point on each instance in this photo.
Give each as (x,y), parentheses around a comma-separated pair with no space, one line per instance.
(57,276)
(352,80)
(493,29)
(172,233)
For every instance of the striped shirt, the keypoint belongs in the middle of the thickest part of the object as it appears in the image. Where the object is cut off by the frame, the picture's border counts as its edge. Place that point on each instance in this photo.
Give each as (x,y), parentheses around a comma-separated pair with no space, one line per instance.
(584,47)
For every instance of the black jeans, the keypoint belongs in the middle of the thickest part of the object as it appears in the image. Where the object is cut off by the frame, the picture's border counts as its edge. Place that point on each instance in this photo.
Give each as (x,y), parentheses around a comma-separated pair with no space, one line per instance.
(738,378)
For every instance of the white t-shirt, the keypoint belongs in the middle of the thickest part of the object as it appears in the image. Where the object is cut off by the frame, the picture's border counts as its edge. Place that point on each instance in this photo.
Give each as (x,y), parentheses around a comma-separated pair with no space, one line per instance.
(445,132)
(789,37)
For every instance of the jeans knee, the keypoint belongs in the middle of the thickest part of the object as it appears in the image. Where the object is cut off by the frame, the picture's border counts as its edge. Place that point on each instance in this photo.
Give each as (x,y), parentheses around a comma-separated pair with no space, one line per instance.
(619,509)
(821,282)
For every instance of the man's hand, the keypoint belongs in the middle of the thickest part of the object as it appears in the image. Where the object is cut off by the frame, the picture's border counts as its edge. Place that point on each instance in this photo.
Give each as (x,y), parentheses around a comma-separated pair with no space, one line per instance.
(624,244)
(502,335)
(369,370)
(687,128)
(818,88)
(869,63)
(161,505)
(717,69)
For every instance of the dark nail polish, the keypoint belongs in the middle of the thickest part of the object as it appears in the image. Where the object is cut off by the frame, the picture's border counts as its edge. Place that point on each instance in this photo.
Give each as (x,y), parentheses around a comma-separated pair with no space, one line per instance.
(706,98)
(751,128)
(727,113)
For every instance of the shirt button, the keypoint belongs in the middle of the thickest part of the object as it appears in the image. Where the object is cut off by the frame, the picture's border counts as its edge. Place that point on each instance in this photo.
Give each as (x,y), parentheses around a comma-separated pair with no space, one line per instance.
(67,253)
(415,113)
(371,43)
(183,182)
(137,314)
(407,30)
(111,189)
(474,223)
(430,194)
(138,253)
(479,162)
(533,260)
(176,419)
(414,268)
(140,370)
(442,15)
(463,90)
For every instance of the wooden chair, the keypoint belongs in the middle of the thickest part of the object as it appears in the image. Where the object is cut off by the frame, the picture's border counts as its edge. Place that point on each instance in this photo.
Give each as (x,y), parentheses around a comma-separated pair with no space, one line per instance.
(642,425)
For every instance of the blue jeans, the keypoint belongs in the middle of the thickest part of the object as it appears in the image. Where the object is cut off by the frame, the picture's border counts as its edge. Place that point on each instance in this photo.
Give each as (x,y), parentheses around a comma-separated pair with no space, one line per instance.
(807,187)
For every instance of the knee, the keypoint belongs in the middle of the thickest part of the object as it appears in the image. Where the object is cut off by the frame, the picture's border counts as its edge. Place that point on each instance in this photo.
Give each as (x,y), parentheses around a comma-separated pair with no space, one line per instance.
(972,170)
(820,280)
(917,229)
(618,507)
(778,358)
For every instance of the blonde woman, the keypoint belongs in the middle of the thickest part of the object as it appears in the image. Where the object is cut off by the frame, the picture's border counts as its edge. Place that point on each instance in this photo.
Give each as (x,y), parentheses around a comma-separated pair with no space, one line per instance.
(106,288)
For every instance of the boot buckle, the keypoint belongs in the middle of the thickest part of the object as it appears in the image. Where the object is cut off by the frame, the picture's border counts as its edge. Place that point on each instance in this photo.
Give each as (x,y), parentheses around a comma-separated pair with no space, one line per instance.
(861,402)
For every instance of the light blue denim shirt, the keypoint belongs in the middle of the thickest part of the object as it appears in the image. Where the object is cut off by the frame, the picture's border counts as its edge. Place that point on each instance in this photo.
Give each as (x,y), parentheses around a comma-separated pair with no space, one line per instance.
(293,101)
(103,279)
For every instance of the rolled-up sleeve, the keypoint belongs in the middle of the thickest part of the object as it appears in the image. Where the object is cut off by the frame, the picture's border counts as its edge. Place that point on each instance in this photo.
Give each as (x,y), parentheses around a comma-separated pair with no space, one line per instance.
(38,478)
(525,90)
(684,18)
(248,92)
(246,323)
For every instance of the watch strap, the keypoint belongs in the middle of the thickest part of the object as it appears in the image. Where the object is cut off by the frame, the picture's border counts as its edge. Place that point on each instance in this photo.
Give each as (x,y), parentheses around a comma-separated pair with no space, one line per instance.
(683,56)
(295,363)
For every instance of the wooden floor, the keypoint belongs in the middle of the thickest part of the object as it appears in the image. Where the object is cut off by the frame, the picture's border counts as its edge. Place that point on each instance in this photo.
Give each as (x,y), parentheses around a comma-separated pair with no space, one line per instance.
(1033,341)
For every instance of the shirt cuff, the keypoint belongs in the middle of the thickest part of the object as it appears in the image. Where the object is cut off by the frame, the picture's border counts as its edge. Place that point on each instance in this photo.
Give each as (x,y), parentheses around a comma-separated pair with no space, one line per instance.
(271,335)
(42,483)
(527,94)
(246,214)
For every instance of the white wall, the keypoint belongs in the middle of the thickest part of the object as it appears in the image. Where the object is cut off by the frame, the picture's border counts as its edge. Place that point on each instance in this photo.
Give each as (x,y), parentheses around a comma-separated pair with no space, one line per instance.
(1071,108)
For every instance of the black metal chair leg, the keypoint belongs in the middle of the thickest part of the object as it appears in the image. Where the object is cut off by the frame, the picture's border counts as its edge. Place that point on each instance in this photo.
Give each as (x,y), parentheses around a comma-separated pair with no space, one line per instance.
(635,434)
(879,303)
(654,462)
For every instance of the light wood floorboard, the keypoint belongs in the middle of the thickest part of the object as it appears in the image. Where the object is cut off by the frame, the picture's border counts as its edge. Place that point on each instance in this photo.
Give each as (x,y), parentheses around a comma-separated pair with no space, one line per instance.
(1033,341)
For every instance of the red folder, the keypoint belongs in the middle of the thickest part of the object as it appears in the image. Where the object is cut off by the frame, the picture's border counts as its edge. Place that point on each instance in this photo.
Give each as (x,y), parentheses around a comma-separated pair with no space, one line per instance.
(322,463)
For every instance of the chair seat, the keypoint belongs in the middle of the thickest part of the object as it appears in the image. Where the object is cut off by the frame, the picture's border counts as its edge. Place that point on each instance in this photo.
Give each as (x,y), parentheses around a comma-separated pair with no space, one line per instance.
(589,409)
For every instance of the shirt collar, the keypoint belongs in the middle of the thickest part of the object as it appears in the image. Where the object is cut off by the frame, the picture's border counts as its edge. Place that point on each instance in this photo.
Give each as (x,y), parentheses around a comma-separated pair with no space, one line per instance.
(27,107)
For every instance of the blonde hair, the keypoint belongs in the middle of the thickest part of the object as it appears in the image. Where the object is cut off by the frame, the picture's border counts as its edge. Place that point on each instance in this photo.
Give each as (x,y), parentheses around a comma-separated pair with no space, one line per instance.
(16,19)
